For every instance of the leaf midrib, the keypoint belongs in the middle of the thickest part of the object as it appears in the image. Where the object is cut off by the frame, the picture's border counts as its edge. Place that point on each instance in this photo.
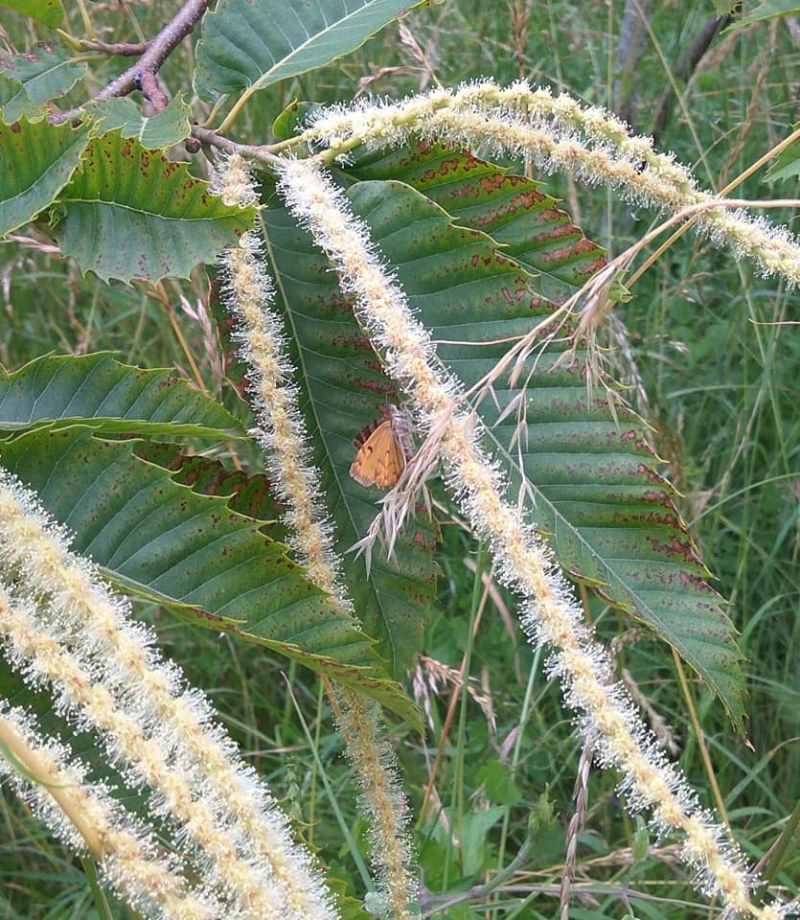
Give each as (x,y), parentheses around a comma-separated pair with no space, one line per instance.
(313,408)
(311,40)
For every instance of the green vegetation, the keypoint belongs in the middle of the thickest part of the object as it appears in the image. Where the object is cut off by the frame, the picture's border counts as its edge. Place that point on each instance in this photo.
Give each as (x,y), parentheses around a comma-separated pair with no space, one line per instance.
(704,345)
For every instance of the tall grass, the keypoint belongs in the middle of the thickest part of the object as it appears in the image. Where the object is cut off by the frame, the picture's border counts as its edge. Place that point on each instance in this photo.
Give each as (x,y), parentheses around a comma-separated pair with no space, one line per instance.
(720,375)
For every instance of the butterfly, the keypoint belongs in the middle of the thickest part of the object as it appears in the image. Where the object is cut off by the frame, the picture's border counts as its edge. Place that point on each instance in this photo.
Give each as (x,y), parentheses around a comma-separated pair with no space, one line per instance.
(382,450)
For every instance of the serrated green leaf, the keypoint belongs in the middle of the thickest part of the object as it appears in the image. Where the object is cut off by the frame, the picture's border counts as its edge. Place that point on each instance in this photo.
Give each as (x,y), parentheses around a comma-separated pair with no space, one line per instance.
(49,12)
(130,213)
(251,44)
(14,101)
(347,907)
(109,397)
(249,494)
(344,386)
(596,492)
(523,221)
(161,541)
(164,129)
(768,9)
(37,160)
(786,166)
(41,75)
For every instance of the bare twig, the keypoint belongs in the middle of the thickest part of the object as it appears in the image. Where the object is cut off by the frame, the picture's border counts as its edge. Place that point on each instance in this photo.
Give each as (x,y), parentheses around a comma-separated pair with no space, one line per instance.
(258,153)
(152,90)
(123,49)
(158,50)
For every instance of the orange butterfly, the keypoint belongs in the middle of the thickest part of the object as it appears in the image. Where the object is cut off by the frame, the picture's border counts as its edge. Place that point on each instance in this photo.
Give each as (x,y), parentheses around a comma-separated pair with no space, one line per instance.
(382,450)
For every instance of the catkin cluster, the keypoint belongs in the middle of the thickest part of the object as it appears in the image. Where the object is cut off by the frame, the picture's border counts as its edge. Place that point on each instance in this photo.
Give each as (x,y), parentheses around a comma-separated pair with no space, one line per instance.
(557,134)
(63,629)
(548,612)
(249,295)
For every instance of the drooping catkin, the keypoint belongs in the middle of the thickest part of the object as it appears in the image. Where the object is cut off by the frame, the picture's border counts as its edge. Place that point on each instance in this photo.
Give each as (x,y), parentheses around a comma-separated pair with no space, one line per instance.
(105,668)
(249,294)
(46,660)
(383,801)
(85,817)
(548,613)
(558,134)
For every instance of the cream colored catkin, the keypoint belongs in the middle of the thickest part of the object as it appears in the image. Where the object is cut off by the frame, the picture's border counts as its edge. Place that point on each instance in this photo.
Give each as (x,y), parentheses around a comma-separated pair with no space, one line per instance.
(106,668)
(37,651)
(558,134)
(248,295)
(549,614)
(55,784)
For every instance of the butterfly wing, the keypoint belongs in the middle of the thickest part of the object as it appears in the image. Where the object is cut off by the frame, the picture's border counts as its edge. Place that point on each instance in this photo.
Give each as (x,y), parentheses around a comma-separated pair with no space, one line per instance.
(380,460)
(391,461)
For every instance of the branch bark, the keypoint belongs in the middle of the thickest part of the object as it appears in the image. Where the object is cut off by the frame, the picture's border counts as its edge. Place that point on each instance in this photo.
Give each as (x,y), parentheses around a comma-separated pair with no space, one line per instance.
(142,74)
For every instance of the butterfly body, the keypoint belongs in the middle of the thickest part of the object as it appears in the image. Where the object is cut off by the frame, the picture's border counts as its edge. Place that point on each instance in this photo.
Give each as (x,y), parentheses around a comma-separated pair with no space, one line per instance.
(381,450)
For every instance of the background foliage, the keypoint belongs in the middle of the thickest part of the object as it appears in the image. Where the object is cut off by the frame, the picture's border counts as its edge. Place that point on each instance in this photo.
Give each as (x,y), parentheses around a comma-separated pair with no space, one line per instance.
(720,380)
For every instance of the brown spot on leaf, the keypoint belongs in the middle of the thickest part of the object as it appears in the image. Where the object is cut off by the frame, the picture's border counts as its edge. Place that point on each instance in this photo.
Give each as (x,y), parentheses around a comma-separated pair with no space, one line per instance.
(356,342)
(383,387)
(200,613)
(336,303)
(676,547)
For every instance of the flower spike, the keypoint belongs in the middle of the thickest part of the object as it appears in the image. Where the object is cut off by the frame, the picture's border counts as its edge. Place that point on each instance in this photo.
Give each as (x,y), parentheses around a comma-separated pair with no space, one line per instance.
(549,615)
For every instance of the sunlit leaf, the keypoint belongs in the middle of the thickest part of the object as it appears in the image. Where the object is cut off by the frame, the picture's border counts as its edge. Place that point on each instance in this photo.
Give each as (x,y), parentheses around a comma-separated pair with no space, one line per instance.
(41,75)
(164,129)
(37,160)
(251,44)
(112,398)
(130,213)
(49,12)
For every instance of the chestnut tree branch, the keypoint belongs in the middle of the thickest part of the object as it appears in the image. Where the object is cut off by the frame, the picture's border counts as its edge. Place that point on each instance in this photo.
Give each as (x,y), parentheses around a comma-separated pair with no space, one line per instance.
(141,75)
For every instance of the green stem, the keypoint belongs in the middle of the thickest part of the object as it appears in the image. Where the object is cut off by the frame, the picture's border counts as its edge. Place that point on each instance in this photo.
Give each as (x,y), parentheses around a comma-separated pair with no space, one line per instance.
(104,911)
(480,892)
(780,851)
(332,797)
(457,798)
(527,705)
